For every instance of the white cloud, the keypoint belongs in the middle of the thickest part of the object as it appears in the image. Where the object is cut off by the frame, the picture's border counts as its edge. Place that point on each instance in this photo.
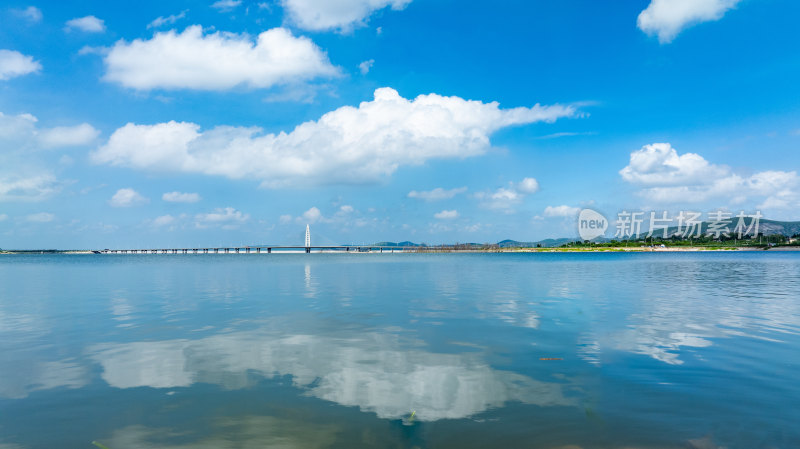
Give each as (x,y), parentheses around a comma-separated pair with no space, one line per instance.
(227,218)
(506,198)
(66,136)
(23,176)
(28,188)
(667,18)
(168,20)
(561,211)
(90,50)
(365,66)
(179,197)
(226,5)
(436,194)
(14,63)
(127,198)
(660,164)
(30,13)
(295,93)
(217,61)
(340,15)
(88,24)
(41,217)
(348,145)
(528,186)
(3,217)
(20,132)
(446,215)
(666,177)
(345,214)
(163,220)
(17,129)
(310,216)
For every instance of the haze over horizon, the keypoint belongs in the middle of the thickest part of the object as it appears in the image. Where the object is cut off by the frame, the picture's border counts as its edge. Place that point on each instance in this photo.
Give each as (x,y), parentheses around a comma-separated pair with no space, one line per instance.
(234,122)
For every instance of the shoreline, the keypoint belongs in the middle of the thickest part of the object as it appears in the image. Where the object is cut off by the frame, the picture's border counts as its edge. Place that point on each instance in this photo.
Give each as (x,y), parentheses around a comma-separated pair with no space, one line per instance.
(613,249)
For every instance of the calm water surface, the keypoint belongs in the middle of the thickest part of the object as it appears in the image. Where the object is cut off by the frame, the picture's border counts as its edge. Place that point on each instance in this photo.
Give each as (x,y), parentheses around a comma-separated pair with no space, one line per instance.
(339,351)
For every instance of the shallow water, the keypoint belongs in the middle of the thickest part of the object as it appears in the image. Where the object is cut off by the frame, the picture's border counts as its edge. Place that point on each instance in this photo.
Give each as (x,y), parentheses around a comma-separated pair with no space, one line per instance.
(322,350)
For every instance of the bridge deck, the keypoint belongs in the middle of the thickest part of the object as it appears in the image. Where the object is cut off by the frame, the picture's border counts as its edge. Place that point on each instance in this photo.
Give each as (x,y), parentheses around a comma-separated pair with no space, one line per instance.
(260,248)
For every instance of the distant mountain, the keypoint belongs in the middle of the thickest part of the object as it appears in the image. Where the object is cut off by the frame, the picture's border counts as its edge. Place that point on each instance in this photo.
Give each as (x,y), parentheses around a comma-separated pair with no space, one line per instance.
(766,227)
(395,244)
(546,243)
(787,228)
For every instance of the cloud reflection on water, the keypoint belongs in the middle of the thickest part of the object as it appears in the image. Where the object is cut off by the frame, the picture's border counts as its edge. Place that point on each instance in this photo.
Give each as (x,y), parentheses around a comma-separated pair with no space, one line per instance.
(376,372)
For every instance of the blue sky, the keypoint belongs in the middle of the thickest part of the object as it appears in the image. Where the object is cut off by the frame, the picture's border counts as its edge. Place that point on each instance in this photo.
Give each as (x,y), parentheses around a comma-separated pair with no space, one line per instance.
(180,123)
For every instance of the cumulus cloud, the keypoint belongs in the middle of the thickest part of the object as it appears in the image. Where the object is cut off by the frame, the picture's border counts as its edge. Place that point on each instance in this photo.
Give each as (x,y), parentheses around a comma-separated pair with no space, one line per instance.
(28,188)
(660,164)
(528,186)
(348,145)
(226,5)
(16,130)
(446,215)
(21,132)
(164,220)
(22,175)
(226,218)
(127,198)
(345,214)
(667,18)
(365,66)
(31,13)
(340,15)
(14,63)
(88,24)
(296,93)
(180,197)
(506,198)
(311,216)
(216,61)
(66,136)
(41,217)
(436,194)
(167,20)
(664,176)
(561,211)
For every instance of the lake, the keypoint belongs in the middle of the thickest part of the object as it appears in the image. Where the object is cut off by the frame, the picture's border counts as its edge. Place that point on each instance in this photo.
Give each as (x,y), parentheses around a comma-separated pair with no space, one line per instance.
(558,350)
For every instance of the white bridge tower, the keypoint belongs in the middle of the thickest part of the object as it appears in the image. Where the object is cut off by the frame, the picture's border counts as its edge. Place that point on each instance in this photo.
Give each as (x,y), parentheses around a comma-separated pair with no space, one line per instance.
(308,239)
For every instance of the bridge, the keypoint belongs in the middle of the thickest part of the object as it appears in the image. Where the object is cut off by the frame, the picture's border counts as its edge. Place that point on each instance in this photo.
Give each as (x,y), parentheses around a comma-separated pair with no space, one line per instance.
(269,249)
(258,249)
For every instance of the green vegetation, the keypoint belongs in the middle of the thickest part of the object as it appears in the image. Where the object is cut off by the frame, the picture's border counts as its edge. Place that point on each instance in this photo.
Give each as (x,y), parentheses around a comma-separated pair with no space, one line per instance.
(705,242)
